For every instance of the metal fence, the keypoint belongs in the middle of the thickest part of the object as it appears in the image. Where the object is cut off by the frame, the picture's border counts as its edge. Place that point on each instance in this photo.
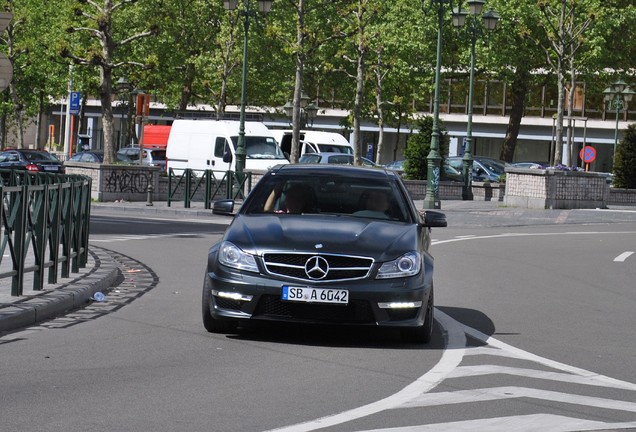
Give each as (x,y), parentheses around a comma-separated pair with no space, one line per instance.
(44,226)
(214,184)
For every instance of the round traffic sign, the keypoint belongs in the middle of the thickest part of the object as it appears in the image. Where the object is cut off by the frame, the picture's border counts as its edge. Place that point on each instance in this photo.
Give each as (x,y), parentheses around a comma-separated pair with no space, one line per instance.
(587,154)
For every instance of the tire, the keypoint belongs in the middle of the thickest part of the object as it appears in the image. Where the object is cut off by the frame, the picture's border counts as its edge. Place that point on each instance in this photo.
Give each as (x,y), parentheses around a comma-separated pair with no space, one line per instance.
(424,333)
(210,323)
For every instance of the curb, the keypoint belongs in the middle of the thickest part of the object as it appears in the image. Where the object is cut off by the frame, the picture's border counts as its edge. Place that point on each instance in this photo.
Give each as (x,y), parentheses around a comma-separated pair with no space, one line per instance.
(68,296)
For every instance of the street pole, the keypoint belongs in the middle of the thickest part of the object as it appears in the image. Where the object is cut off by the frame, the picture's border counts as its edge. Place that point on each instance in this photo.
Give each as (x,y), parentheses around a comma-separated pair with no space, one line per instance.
(489,19)
(67,122)
(467,190)
(431,198)
(240,148)
(617,96)
(616,105)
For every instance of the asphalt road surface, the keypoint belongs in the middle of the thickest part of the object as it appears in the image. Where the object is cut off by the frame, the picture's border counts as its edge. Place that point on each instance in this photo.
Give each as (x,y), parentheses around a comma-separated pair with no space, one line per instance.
(535,331)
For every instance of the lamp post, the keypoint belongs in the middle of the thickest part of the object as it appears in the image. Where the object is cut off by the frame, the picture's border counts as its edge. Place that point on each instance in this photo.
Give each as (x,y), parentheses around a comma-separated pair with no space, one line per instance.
(308,111)
(264,7)
(617,96)
(431,199)
(475,30)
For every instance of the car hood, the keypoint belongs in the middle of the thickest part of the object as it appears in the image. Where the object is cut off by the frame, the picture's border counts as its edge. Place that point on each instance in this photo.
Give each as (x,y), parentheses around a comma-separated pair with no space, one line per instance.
(381,240)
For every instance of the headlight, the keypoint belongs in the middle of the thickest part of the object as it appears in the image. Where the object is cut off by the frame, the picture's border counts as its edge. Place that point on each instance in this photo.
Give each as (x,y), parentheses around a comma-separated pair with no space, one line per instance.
(232,256)
(407,265)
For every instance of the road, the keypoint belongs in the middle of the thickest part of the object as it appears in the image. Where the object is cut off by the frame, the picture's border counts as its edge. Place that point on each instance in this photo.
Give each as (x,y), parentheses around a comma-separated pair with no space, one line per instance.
(534,332)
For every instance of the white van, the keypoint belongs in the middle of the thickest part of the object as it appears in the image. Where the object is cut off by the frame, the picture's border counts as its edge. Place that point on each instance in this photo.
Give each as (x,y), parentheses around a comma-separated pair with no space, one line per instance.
(312,141)
(211,145)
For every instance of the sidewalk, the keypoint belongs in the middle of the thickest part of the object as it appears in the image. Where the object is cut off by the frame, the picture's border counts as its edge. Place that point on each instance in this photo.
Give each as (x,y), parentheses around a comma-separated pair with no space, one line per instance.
(103,271)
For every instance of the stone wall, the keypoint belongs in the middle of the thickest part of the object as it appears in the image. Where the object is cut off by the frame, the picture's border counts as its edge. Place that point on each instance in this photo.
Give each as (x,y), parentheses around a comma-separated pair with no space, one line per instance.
(118,182)
(625,197)
(555,189)
(523,187)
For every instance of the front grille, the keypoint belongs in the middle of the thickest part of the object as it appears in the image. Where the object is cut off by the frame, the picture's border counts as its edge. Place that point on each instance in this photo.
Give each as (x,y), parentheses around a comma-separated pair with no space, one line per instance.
(356,312)
(341,267)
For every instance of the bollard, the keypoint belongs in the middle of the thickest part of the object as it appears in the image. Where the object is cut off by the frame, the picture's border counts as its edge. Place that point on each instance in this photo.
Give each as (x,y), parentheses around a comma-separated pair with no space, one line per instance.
(149,199)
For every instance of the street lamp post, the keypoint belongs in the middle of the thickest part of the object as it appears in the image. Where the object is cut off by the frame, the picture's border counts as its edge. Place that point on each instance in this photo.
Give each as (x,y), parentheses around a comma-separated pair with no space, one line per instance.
(308,111)
(475,30)
(431,199)
(617,96)
(264,7)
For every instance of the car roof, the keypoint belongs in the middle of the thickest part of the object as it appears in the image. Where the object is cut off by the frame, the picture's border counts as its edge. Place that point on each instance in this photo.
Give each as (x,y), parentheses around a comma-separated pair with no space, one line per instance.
(333,169)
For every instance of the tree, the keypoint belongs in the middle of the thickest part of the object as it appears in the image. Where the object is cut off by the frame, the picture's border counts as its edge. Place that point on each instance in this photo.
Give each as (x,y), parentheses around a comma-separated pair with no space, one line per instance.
(314,28)
(511,53)
(564,24)
(625,160)
(104,35)
(419,146)
(36,67)
(186,54)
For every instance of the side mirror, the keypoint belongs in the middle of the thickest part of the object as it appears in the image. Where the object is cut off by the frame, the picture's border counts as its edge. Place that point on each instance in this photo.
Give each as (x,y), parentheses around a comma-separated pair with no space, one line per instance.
(227,157)
(223,207)
(434,219)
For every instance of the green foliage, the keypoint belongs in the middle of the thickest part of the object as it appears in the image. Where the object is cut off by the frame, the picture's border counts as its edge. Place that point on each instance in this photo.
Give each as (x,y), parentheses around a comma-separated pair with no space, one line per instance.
(625,160)
(419,146)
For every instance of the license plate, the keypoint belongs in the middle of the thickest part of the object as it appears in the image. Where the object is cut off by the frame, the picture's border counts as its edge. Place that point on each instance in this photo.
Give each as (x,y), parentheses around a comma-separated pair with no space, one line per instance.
(315,295)
(50,168)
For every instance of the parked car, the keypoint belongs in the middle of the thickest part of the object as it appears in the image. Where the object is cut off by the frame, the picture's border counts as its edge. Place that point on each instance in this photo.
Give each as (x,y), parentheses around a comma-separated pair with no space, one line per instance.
(329,260)
(484,169)
(334,158)
(93,156)
(152,156)
(397,165)
(530,165)
(448,173)
(31,160)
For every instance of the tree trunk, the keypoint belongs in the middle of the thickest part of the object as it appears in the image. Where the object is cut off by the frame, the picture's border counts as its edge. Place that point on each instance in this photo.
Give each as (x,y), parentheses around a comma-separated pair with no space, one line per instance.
(17,112)
(105,90)
(359,97)
(519,92)
(380,109)
(298,85)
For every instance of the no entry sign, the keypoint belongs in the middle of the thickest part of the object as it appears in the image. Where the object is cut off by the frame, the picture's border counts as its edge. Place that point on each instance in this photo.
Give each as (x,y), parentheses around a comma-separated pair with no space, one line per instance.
(587,154)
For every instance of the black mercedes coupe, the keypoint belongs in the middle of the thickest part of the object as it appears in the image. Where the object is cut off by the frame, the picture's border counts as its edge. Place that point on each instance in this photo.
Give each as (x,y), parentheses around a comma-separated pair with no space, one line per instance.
(324,244)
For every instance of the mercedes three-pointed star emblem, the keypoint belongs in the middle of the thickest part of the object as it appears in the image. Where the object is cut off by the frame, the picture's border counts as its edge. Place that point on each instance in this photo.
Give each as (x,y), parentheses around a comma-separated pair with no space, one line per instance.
(316,268)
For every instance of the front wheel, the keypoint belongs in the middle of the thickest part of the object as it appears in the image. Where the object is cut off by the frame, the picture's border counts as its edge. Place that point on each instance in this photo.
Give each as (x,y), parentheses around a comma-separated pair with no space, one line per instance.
(210,323)
(423,333)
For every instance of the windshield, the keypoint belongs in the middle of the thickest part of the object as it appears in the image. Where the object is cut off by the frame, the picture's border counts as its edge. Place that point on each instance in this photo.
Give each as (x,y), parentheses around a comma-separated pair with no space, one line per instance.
(493,166)
(259,147)
(339,196)
(157,154)
(39,156)
(331,148)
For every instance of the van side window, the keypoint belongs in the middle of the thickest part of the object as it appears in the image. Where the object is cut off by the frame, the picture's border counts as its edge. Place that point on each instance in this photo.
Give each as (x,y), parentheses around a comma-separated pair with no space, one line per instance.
(219,147)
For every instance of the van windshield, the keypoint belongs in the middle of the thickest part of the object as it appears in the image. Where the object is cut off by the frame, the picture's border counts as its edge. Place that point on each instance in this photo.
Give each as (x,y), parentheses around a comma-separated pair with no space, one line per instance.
(259,147)
(331,148)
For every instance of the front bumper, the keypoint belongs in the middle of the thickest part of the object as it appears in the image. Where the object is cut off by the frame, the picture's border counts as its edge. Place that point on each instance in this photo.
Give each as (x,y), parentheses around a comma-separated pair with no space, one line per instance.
(390,303)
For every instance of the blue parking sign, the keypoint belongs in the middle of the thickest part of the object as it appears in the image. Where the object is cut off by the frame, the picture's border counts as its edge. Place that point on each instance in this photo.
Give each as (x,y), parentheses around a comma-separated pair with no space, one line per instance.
(75,102)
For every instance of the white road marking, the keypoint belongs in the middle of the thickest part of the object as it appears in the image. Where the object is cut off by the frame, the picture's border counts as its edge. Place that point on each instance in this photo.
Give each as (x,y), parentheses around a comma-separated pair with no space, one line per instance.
(504,235)
(416,394)
(451,358)
(525,423)
(622,257)
(480,370)
(500,393)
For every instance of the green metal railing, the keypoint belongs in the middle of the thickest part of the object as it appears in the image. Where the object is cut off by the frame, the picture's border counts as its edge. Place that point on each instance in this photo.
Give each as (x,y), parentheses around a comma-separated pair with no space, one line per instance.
(216,185)
(44,226)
